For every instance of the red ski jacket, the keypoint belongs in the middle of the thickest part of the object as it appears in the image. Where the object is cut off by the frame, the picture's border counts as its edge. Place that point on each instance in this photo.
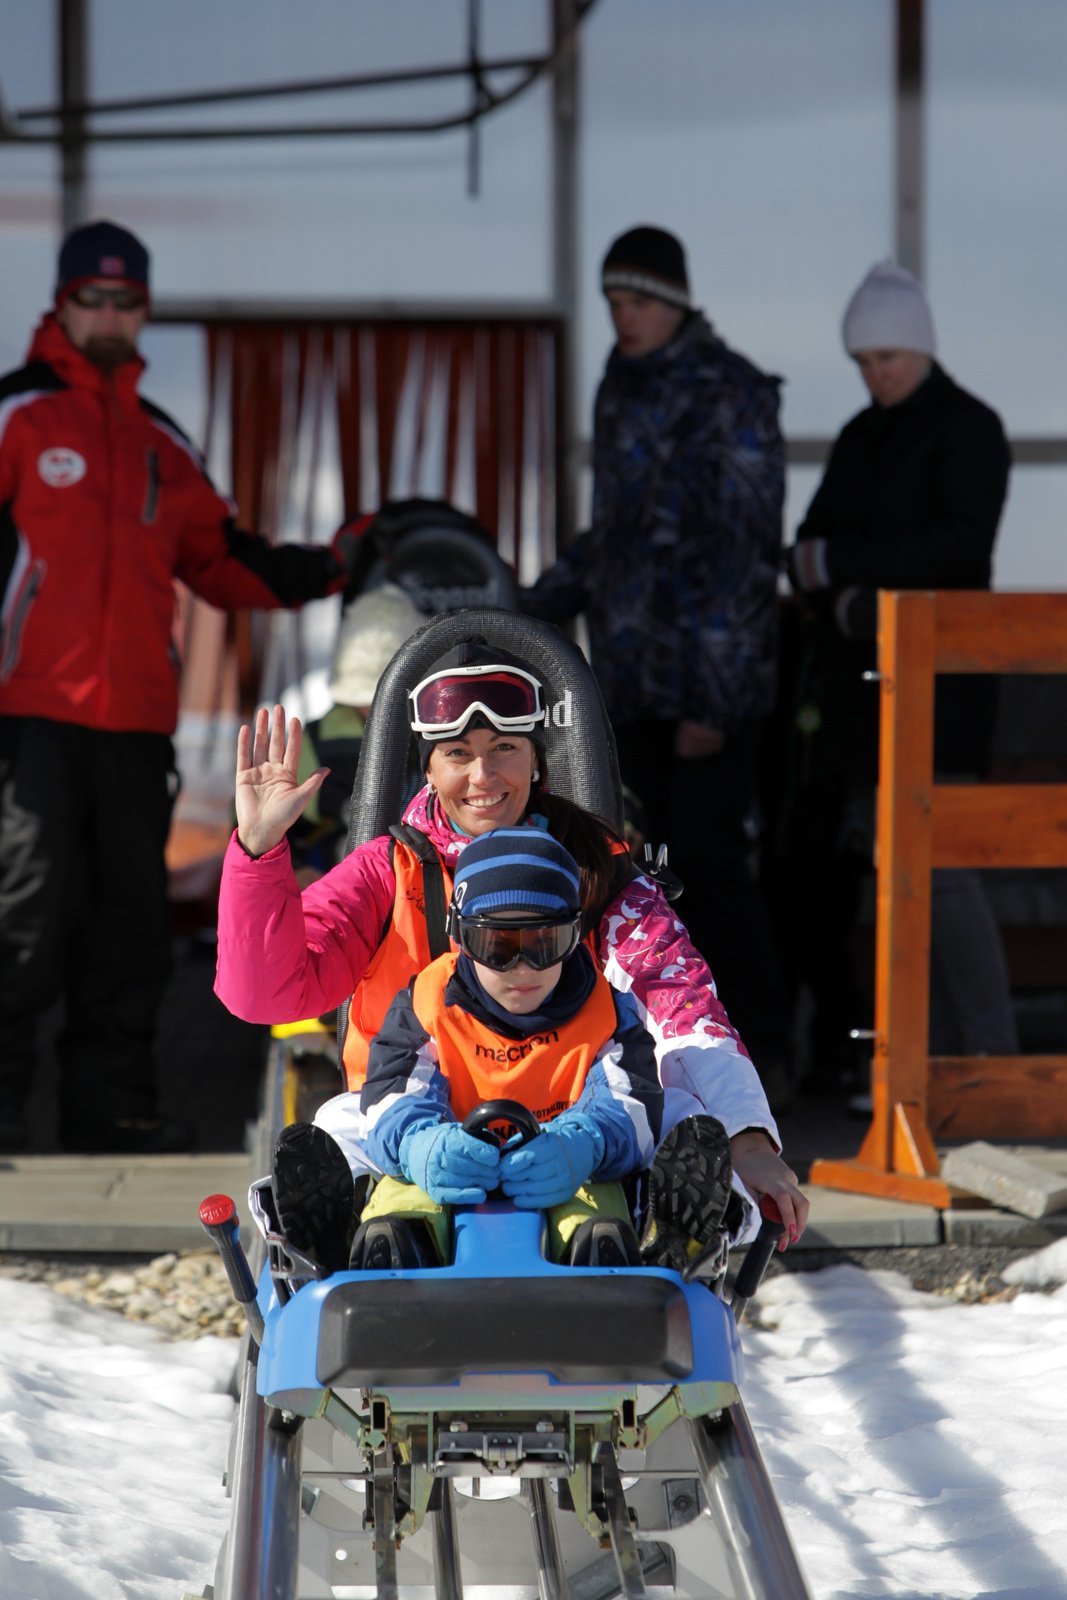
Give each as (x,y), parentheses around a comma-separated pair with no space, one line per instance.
(103,504)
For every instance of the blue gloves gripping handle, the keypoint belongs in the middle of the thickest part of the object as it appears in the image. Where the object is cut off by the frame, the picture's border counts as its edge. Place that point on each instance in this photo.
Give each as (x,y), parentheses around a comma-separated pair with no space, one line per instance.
(553,1167)
(454,1168)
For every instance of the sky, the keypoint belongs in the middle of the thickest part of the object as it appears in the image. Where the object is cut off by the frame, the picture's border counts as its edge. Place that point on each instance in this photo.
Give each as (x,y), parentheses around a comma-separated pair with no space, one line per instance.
(916,1445)
(761,131)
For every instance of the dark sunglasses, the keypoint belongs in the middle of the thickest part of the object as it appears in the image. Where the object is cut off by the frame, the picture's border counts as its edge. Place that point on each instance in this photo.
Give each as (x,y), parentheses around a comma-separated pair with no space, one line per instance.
(502,945)
(91,298)
(508,697)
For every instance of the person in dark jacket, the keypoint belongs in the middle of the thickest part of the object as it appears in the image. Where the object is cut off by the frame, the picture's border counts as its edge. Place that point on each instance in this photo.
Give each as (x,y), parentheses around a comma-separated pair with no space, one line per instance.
(911,499)
(677,578)
(103,504)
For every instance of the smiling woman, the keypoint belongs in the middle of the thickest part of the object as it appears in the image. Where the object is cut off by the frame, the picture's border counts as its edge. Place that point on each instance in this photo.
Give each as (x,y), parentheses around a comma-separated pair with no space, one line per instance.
(360,934)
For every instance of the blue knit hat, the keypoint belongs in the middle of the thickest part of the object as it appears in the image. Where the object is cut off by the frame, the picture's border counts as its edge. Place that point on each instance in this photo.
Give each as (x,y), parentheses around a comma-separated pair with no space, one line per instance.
(516,869)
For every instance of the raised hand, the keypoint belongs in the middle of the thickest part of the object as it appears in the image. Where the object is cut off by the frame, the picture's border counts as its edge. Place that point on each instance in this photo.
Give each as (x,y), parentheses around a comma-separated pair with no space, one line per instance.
(268,797)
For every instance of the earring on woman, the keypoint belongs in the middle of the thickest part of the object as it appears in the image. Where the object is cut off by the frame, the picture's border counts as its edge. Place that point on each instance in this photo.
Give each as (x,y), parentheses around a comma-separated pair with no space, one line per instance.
(535,776)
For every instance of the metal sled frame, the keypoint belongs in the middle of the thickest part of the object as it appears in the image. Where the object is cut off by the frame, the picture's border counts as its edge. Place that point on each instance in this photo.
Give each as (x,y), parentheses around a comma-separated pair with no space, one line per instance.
(558,1431)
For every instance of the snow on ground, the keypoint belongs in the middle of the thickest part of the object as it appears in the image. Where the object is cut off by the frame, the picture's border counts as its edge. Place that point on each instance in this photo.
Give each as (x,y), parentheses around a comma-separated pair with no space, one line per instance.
(917,1446)
(112,1448)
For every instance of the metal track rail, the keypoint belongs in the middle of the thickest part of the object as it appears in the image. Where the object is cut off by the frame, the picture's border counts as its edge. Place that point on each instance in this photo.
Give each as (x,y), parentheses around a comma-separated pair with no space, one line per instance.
(762,1559)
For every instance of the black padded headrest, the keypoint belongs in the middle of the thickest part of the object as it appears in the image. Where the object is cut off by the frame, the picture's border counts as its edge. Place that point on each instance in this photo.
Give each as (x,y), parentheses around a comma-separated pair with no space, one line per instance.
(578,741)
(442,557)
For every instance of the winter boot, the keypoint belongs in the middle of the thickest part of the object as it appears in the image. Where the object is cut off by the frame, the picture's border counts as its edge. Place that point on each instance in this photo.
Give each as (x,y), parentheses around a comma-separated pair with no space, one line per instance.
(314,1194)
(688,1194)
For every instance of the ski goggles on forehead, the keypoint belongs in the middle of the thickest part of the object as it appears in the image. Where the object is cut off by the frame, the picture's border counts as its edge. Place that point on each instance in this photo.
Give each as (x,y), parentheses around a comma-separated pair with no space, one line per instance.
(508,697)
(502,945)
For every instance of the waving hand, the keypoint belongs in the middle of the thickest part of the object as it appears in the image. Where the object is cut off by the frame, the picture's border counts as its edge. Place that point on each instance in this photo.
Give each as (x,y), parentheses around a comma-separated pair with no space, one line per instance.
(269,798)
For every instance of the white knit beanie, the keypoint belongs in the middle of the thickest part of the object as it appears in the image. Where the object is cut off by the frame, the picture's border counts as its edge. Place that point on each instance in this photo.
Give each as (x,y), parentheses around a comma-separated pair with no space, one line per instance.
(373,627)
(888,312)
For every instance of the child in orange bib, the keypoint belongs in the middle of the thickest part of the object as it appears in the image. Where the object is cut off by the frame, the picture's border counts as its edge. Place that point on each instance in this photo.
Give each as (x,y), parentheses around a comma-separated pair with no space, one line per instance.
(521,1012)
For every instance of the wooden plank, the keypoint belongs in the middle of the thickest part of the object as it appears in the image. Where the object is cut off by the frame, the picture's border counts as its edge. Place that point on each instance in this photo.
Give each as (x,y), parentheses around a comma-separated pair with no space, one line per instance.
(999,825)
(998,1097)
(855,1177)
(982,632)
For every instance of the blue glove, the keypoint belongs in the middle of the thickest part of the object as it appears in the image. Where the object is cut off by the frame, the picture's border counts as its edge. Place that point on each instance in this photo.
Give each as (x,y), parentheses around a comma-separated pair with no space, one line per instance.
(553,1167)
(453,1167)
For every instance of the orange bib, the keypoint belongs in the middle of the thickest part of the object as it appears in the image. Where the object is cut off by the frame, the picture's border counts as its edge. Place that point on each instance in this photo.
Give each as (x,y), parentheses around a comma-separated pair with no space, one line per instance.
(546,1072)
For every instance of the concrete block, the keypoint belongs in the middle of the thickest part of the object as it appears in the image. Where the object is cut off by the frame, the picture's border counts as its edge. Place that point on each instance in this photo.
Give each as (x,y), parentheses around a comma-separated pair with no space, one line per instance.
(1006,1178)
(841,1221)
(1002,1229)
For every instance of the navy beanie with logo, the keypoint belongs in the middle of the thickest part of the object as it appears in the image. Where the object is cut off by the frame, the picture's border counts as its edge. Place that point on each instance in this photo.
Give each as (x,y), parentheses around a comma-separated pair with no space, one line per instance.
(516,869)
(101,250)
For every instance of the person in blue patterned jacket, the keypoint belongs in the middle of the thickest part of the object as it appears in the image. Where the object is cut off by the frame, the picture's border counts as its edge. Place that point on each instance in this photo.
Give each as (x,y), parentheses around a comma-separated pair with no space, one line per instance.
(677,577)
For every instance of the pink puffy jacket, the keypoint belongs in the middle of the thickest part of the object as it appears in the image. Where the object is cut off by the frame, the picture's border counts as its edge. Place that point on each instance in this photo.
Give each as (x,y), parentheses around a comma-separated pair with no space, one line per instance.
(284,955)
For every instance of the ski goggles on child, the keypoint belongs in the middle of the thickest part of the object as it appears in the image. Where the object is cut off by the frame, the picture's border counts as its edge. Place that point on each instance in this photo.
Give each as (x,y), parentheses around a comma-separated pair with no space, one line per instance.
(508,697)
(502,945)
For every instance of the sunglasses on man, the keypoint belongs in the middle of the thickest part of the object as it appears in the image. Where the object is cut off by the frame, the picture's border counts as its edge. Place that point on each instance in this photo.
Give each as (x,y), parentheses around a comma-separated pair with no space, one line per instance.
(93,298)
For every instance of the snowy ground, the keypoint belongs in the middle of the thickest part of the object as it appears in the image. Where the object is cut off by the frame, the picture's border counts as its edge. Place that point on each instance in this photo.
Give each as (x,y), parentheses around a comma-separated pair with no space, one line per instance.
(917,1446)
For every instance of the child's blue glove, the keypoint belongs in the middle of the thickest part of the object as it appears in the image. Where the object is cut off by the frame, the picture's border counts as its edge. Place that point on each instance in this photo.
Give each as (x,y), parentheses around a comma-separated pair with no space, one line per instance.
(453,1167)
(553,1167)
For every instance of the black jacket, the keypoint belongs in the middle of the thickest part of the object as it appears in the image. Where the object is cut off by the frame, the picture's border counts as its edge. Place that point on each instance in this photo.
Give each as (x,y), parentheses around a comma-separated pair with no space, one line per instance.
(911,499)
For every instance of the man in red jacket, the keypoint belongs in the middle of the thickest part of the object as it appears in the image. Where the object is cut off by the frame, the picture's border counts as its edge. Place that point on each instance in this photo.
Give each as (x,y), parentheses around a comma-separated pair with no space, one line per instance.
(103,504)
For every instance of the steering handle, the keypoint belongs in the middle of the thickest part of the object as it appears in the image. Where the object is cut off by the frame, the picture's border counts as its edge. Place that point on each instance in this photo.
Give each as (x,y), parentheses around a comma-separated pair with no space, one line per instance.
(518,1119)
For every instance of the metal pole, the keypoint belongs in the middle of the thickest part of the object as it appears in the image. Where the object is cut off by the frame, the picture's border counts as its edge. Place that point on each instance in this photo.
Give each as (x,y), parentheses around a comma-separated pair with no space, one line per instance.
(551,1573)
(909,89)
(72,21)
(447,1579)
(565,109)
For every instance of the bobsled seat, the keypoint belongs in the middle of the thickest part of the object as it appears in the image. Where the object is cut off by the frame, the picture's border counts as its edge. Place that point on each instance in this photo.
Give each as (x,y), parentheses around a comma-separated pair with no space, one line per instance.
(440,556)
(628,1328)
(579,745)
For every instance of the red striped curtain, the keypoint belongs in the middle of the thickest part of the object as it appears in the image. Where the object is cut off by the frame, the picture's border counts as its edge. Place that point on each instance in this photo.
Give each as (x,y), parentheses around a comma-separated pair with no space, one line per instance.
(308,422)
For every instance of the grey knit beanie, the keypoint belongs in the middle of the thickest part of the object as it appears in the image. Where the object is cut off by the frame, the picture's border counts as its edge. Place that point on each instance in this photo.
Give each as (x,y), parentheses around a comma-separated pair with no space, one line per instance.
(373,627)
(888,312)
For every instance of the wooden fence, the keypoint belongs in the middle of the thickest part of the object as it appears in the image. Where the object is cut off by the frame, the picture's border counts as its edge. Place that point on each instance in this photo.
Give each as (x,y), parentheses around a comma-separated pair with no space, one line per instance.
(921,825)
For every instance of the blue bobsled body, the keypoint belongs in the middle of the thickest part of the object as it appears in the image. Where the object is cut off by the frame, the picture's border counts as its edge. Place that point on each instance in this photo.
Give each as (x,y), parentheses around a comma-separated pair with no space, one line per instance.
(500,1315)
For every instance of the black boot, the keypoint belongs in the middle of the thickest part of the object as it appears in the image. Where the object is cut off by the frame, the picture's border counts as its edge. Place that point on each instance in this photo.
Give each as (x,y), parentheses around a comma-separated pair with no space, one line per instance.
(392,1244)
(688,1194)
(138,1136)
(314,1194)
(604,1242)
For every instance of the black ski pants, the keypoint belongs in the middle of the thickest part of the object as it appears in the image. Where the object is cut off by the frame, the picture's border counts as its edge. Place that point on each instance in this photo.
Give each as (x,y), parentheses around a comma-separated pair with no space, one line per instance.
(84,915)
(704,809)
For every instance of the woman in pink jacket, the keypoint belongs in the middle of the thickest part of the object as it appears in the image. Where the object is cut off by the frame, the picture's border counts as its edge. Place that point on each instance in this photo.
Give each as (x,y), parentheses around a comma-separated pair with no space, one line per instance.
(359,934)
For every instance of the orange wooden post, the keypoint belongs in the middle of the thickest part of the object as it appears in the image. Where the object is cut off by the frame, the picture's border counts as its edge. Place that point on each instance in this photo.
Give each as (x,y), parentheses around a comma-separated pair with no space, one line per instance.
(922,825)
(897,1158)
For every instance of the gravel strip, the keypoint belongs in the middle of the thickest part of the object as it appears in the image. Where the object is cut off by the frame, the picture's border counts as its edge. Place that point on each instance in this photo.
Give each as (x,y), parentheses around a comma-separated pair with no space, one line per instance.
(188,1296)
(969,1274)
(184,1296)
